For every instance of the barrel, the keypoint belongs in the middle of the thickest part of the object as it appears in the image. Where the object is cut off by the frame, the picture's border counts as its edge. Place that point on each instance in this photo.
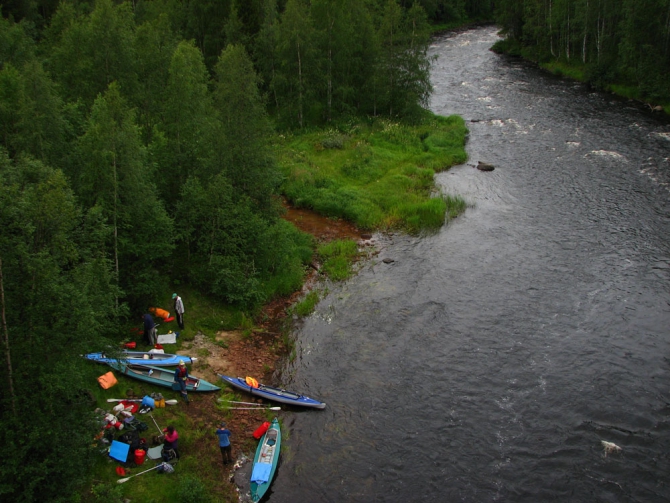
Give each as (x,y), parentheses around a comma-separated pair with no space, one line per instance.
(140,455)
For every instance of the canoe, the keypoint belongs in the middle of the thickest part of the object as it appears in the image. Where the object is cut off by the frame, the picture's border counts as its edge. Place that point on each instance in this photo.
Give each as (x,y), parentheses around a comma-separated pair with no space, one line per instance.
(160,376)
(265,461)
(274,394)
(143,358)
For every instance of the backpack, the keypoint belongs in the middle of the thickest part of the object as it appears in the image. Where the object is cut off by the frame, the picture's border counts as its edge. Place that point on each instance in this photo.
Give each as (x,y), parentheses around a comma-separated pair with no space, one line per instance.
(132,438)
(168,455)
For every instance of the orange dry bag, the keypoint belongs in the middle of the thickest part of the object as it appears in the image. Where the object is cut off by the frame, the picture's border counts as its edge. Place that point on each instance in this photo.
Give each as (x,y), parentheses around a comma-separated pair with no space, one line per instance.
(107,380)
(252,382)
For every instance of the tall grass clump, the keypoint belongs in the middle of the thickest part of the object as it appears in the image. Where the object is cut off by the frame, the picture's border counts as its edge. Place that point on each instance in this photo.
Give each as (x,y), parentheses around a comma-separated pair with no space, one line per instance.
(377,174)
(306,306)
(337,258)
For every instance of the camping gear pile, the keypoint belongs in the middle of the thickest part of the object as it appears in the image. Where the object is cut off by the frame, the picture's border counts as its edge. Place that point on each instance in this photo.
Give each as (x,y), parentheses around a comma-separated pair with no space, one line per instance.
(130,448)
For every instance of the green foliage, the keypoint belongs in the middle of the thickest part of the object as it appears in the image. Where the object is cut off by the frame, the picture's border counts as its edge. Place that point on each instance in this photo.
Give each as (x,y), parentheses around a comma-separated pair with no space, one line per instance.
(306,306)
(383,175)
(88,52)
(610,44)
(243,148)
(338,257)
(113,175)
(192,490)
(58,300)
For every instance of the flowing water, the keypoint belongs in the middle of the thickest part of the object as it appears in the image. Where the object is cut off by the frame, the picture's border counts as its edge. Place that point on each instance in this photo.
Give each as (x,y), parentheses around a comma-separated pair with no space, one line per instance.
(489,362)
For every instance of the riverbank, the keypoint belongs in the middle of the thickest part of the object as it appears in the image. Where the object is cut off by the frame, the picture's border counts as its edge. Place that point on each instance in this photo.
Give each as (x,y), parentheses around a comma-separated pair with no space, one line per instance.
(579,72)
(253,351)
(257,353)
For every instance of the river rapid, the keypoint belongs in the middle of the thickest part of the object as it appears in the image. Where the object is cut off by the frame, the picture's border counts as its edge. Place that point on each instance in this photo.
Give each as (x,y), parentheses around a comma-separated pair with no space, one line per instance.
(489,361)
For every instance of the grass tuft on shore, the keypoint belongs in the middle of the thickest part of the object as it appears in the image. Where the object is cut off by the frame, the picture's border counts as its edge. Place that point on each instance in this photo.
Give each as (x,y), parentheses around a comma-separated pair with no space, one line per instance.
(377,174)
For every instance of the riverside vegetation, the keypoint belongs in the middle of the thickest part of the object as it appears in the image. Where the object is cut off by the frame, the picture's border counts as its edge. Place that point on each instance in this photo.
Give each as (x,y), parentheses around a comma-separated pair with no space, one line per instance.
(622,47)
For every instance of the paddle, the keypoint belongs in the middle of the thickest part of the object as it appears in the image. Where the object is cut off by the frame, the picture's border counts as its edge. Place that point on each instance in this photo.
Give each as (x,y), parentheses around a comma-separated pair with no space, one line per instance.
(254,408)
(168,402)
(121,481)
(159,428)
(245,403)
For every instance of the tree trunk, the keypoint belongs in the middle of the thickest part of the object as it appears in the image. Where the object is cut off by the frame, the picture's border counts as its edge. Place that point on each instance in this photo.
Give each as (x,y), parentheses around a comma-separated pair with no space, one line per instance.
(116,229)
(8,356)
(299,85)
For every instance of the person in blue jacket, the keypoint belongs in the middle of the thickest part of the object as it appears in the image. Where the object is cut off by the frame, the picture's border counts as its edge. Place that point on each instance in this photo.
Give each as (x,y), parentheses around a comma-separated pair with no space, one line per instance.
(149,329)
(224,443)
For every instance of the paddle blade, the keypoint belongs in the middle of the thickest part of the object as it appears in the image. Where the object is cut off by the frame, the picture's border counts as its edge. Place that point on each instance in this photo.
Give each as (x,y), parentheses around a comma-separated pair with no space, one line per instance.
(172,402)
(121,481)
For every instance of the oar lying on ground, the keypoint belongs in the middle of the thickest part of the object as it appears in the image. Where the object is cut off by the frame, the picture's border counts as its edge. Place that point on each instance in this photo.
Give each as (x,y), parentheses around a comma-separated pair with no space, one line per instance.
(121,481)
(245,403)
(168,402)
(254,408)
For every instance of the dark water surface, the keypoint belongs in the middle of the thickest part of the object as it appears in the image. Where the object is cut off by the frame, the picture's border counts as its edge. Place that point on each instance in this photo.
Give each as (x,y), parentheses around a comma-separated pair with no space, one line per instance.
(488,362)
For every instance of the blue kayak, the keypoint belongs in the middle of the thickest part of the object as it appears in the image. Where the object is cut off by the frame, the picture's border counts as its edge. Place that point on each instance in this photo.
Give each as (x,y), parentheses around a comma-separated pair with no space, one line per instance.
(143,358)
(270,393)
(265,461)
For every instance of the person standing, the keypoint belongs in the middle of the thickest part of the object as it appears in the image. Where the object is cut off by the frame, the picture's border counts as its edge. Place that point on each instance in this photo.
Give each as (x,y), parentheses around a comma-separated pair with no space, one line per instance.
(179,309)
(180,377)
(171,440)
(224,443)
(149,329)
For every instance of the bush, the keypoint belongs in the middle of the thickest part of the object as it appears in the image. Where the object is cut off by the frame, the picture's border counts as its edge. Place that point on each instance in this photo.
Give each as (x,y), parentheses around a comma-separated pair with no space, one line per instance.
(192,490)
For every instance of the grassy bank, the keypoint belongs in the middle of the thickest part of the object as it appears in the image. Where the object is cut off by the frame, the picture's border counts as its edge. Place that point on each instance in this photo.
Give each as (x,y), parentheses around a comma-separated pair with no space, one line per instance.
(377,174)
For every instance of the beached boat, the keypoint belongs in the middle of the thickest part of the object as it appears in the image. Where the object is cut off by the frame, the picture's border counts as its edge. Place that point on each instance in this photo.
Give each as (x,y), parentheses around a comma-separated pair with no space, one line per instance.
(265,461)
(275,394)
(160,376)
(143,358)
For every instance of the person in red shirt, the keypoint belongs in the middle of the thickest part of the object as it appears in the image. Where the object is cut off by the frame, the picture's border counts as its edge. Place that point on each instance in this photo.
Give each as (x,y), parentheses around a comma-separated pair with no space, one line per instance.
(171,440)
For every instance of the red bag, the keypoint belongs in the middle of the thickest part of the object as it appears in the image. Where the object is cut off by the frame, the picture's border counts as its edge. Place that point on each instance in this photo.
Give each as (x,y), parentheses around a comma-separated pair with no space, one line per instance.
(130,345)
(260,431)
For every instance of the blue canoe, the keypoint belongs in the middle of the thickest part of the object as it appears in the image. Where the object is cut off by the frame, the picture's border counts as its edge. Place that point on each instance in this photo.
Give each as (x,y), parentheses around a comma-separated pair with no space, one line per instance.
(160,376)
(274,394)
(265,461)
(143,358)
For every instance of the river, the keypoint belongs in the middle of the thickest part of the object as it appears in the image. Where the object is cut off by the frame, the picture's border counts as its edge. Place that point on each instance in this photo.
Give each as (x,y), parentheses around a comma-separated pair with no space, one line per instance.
(490,361)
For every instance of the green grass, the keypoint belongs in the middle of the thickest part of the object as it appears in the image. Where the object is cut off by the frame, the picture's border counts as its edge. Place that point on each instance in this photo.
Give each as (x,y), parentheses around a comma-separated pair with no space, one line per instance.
(570,70)
(306,306)
(338,257)
(377,175)
(202,314)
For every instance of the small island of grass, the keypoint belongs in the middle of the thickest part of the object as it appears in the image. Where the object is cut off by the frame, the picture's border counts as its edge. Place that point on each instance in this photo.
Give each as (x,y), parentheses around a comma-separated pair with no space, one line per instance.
(377,174)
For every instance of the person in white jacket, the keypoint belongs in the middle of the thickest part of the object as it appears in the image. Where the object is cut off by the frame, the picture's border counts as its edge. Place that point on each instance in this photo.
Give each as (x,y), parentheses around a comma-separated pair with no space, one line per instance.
(179,309)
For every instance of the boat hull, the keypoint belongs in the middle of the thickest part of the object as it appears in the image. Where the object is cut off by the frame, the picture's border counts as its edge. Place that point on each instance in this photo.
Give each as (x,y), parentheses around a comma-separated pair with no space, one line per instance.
(143,358)
(274,394)
(265,461)
(160,376)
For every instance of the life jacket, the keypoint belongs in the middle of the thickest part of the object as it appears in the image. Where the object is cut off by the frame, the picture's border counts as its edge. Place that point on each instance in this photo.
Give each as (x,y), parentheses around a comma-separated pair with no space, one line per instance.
(183,373)
(161,313)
